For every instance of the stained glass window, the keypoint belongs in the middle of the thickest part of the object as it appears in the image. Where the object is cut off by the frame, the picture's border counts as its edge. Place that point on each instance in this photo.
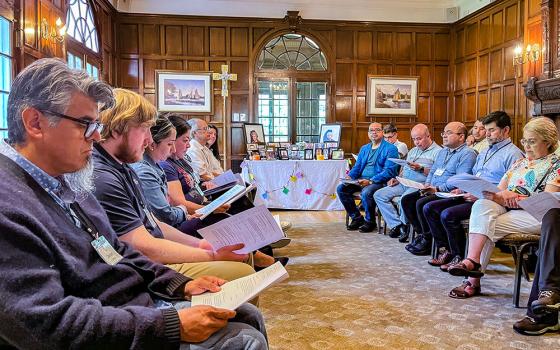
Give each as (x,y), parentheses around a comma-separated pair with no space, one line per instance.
(80,24)
(292,50)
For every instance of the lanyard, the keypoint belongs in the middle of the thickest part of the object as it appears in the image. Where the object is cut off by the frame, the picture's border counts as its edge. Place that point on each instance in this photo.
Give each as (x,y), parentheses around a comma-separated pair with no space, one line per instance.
(418,156)
(449,155)
(486,158)
(135,184)
(86,223)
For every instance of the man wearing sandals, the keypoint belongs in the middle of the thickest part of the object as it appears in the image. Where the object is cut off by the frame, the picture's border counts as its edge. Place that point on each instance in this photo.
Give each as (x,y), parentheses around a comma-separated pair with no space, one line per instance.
(498,215)
(544,301)
(445,216)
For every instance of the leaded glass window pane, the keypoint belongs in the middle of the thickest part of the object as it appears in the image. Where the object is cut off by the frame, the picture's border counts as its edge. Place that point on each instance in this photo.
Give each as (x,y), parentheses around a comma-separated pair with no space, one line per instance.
(292,50)
(80,24)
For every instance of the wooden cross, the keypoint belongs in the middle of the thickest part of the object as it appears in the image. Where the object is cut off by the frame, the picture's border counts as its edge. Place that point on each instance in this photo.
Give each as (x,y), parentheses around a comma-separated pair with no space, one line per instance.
(225,77)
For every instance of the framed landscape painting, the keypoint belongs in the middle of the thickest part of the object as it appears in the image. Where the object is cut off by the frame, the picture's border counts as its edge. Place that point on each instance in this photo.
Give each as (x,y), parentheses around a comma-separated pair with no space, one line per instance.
(184,92)
(391,95)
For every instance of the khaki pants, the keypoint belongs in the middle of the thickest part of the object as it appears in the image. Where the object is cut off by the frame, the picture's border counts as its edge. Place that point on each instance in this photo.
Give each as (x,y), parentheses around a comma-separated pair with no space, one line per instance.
(228,270)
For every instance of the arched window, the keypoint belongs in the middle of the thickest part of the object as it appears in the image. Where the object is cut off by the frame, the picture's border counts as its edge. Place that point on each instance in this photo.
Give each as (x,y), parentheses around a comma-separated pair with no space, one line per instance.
(292,50)
(83,44)
(80,24)
(292,83)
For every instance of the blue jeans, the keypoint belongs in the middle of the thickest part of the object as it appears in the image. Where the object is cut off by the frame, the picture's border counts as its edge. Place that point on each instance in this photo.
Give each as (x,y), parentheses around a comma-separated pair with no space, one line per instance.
(245,331)
(383,199)
(345,194)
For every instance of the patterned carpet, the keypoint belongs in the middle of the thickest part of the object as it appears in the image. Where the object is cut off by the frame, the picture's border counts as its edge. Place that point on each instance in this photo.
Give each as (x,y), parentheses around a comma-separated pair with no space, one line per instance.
(351,290)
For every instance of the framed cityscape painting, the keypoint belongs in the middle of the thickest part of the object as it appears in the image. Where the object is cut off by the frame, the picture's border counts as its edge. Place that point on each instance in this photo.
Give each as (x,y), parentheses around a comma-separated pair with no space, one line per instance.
(184,92)
(391,95)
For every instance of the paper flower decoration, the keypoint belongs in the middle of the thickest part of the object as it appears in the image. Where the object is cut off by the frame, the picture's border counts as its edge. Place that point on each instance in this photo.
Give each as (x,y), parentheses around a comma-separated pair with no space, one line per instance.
(308,191)
(333,196)
(299,175)
(293,178)
(251,176)
(265,195)
(285,190)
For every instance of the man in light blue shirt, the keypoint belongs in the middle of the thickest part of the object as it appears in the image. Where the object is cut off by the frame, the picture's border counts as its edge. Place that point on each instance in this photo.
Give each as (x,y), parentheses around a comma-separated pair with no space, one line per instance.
(455,158)
(444,216)
(419,161)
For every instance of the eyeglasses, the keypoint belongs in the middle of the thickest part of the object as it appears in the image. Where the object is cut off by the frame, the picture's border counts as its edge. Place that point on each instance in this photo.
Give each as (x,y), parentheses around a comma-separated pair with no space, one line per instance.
(375,130)
(91,126)
(447,133)
(528,142)
(203,129)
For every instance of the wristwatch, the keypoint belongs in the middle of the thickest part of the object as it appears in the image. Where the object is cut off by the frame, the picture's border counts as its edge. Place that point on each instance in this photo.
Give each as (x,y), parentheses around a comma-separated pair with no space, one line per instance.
(421,169)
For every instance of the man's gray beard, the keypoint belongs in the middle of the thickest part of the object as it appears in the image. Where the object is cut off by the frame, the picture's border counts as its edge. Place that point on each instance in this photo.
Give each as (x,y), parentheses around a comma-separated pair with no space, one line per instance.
(81,181)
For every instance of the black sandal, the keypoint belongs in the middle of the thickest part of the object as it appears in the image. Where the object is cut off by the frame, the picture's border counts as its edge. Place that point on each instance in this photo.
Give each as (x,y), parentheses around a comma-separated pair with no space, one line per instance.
(462,270)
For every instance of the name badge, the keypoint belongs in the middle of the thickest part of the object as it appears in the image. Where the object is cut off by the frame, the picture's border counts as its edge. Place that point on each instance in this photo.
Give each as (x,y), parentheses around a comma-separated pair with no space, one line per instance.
(106,251)
(151,220)
(439,172)
(479,174)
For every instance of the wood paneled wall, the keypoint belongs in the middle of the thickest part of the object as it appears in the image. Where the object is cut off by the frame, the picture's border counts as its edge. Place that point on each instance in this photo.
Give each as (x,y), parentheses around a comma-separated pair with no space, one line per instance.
(147,43)
(484,78)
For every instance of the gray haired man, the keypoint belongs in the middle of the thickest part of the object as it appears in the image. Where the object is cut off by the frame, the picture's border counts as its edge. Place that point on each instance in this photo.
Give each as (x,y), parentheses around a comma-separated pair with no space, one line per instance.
(67,281)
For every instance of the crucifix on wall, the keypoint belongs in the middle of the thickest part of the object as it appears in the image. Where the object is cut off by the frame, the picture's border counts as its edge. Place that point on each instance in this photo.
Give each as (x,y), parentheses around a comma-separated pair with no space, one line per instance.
(225,77)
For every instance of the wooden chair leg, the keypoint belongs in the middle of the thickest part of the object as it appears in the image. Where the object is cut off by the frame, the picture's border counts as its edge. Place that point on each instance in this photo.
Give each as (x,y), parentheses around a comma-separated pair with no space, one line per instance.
(516,252)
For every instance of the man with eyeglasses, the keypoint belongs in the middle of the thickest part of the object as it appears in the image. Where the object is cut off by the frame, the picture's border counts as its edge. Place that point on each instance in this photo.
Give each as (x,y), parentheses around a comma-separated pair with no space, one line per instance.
(454,158)
(419,161)
(372,171)
(391,135)
(67,281)
(200,155)
(445,216)
(479,142)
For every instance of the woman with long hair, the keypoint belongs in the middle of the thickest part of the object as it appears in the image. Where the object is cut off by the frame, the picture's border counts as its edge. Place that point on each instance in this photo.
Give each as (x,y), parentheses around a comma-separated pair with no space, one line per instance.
(213,141)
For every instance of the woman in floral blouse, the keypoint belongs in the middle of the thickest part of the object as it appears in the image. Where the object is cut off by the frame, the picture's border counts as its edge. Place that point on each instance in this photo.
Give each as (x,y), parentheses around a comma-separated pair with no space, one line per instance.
(499,214)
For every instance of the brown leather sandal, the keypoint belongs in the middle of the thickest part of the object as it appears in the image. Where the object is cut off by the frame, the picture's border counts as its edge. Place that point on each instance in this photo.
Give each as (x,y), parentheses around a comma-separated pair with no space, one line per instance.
(464,291)
(442,258)
(461,269)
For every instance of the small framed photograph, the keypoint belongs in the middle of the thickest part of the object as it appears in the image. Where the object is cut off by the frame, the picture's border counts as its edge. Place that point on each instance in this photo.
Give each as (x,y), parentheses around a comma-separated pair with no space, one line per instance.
(254,133)
(308,154)
(273,144)
(319,152)
(337,154)
(283,153)
(255,155)
(262,150)
(391,95)
(252,147)
(330,151)
(330,145)
(185,92)
(270,154)
(330,133)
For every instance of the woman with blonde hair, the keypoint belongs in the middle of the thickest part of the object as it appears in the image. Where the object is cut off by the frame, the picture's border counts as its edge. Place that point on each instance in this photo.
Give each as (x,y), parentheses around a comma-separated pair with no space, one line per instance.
(498,214)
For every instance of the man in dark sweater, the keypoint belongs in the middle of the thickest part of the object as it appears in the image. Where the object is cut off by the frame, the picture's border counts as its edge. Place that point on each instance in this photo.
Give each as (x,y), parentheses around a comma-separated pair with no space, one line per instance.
(67,281)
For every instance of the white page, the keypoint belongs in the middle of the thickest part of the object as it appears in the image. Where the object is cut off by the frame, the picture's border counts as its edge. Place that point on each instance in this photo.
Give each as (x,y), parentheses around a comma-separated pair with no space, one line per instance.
(398,161)
(539,204)
(410,183)
(254,227)
(218,202)
(449,195)
(355,156)
(224,179)
(242,193)
(234,293)
(472,184)
(424,162)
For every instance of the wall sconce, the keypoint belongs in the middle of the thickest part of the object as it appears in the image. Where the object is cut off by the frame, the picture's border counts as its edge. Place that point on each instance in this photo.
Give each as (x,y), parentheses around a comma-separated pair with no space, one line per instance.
(52,33)
(520,57)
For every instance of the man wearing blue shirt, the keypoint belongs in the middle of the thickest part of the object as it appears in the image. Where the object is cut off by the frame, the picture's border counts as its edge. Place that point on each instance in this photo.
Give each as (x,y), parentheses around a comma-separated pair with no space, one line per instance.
(419,161)
(444,216)
(372,170)
(454,158)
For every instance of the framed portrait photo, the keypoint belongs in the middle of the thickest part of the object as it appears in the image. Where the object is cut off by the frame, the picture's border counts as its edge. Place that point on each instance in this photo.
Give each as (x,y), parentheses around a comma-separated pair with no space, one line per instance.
(337,154)
(330,133)
(308,154)
(254,133)
(283,153)
(184,92)
(391,95)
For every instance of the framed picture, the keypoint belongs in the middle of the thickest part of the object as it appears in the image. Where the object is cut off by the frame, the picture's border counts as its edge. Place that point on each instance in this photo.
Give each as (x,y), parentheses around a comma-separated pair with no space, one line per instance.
(252,147)
(185,92)
(254,133)
(318,152)
(391,95)
(337,154)
(283,153)
(330,133)
(270,154)
(308,154)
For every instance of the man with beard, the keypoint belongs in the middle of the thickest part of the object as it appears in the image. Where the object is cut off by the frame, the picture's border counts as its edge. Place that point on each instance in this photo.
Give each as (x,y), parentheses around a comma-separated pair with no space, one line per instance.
(118,189)
(67,281)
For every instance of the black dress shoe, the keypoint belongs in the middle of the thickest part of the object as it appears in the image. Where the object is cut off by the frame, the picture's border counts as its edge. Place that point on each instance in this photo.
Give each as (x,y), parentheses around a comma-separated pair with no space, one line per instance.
(403,238)
(424,247)
(356,223)
(368,227)
(395,231)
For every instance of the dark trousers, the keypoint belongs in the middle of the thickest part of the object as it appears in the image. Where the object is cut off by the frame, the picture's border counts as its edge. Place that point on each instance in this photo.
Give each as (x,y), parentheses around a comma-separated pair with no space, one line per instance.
(413,207)
(444,219)
(191,227)
(547,273)
(345,194)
